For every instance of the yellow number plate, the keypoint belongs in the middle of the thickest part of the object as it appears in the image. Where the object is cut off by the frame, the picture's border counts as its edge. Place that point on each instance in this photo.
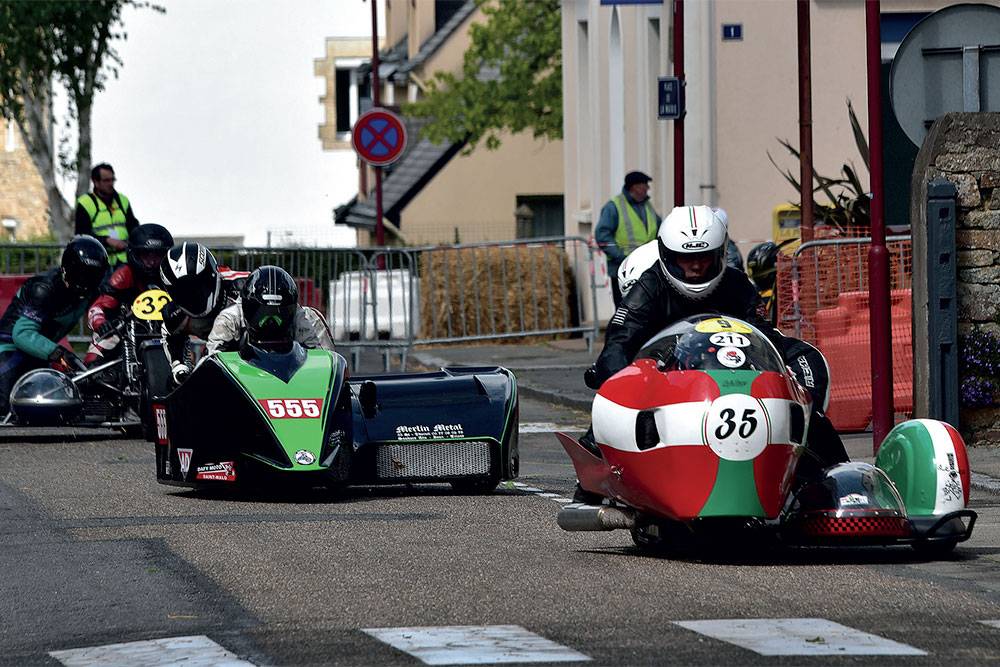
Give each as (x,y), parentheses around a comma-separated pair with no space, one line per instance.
(147,306)
(718,325)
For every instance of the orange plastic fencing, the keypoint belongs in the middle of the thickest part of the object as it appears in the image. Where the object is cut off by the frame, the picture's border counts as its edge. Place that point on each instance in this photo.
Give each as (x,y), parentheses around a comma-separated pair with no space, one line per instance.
(823,299)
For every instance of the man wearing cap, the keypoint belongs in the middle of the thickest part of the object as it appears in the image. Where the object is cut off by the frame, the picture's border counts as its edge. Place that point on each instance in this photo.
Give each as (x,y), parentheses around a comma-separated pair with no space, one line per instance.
(627,221)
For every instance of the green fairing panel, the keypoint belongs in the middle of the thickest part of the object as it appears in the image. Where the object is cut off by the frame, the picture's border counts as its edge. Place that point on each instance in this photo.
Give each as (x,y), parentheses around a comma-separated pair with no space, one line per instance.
(297,410)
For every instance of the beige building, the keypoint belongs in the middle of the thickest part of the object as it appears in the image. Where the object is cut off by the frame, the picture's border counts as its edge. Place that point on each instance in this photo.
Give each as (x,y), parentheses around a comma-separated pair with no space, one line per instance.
(433,194)
(741,98)
(23,203)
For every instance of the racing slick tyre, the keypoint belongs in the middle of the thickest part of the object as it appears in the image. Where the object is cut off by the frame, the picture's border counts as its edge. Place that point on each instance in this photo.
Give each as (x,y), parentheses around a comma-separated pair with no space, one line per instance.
(156,378)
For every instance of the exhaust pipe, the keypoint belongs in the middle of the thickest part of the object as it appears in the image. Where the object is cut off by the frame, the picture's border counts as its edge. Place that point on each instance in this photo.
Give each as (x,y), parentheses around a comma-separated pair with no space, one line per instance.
(595,517)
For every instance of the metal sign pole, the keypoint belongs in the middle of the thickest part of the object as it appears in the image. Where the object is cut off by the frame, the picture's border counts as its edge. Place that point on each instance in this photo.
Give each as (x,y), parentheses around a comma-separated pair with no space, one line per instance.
(379,232)
(878,255)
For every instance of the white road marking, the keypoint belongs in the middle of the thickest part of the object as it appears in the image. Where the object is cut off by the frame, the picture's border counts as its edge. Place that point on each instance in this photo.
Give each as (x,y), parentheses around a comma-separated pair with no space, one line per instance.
(984,482)
(193,651)
(798,636)
(994,624)
(541,493)
(548,427)
(474,644)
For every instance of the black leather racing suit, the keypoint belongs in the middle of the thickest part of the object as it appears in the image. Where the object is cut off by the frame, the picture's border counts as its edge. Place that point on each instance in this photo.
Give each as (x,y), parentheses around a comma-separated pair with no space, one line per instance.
(652,304)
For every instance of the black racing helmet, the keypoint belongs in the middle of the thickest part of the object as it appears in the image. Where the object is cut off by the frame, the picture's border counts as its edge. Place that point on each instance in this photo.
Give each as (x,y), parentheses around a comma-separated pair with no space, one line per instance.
(84,265)
(762,265)
(147,246)
(270,300)
(190,276)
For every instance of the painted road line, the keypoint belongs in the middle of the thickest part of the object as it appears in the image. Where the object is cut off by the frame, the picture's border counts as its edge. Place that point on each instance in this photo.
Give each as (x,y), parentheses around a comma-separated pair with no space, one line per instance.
(984,482)
(993,624)
(193,651)
(541,493)
(474,644)
(798,636)
(548,427)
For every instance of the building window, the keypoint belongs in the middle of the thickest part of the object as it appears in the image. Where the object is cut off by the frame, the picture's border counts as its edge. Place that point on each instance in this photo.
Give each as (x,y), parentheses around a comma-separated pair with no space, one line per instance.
(346,90)
(539,216)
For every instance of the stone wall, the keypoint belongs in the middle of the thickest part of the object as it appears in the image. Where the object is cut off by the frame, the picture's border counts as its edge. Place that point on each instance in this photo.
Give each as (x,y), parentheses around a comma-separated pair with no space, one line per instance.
(22,192)
(964,148)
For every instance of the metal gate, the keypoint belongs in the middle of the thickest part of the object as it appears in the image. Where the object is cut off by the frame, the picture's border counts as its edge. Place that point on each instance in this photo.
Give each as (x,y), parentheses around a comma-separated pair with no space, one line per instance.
(823,299)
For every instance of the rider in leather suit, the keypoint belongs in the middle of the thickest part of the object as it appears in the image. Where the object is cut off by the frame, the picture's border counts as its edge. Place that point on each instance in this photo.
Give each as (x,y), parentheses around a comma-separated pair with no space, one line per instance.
(269,313)
(147,246)
(47,307)
(691,277)
(199,289)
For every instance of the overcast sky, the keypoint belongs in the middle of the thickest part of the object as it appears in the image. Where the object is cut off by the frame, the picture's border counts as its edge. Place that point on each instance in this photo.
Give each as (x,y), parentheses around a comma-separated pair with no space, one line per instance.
(212,124)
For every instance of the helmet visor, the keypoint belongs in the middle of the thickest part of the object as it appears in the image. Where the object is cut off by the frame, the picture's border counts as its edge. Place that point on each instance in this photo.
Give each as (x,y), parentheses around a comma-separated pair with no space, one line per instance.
(694,268)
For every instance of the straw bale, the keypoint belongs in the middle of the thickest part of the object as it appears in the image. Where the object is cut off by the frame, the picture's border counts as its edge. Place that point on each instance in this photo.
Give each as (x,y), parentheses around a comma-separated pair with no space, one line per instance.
(490,291)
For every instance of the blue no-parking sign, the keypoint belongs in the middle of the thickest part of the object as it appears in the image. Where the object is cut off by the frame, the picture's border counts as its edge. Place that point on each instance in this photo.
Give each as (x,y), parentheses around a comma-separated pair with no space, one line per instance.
(379,137)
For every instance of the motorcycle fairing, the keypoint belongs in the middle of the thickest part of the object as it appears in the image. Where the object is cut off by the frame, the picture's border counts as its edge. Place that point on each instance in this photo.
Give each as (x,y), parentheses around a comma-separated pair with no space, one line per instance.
(471,407)
(295,409)
(218,415)
(927,461)
(688,444)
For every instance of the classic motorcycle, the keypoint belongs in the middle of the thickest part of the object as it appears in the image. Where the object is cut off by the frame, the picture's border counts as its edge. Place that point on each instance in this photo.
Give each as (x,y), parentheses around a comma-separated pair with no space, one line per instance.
(700,437)
(114,394)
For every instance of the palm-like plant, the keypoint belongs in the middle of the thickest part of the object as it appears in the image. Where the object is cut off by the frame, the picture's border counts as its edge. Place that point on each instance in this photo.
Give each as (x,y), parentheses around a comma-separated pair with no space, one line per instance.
(849,201)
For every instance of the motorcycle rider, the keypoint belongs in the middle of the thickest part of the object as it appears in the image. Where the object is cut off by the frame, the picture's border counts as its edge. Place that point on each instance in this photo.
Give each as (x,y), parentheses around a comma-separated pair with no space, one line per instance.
(268,316)
(691,277)
(147,246)
(199,289)
(46,308)
(762,267)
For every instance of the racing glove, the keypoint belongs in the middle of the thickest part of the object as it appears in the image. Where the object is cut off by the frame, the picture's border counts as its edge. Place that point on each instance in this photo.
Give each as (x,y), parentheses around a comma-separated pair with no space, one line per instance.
(66,359)
(590,378)
(180,371)
(105,328)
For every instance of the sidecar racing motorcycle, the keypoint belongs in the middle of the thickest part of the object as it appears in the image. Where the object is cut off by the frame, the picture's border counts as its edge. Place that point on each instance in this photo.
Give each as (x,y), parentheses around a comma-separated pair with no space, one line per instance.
(113,394)
(701,435)
(295,420)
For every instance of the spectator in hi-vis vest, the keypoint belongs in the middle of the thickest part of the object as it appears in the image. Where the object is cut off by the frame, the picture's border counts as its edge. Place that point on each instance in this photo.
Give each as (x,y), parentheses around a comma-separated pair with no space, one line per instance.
(106,214)
(627,221)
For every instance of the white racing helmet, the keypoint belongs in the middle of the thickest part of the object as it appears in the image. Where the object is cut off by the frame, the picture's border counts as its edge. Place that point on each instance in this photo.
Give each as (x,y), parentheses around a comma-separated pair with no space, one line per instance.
(635,265)
(690,230)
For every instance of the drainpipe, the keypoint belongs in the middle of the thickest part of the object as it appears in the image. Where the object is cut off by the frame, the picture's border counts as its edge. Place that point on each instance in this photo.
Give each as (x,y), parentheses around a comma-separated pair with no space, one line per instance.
(679,123)
(709,192)
(805,123)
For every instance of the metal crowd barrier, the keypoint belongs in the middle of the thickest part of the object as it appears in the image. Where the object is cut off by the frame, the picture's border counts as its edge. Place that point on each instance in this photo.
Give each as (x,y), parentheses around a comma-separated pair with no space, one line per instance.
(392,299)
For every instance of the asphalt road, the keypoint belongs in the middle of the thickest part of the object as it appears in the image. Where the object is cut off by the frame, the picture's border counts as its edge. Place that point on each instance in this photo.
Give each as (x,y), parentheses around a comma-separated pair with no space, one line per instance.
(95,552)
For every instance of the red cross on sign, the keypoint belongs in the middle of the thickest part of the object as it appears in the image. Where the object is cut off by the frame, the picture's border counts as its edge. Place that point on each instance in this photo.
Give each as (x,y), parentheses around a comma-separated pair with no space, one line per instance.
(379,137)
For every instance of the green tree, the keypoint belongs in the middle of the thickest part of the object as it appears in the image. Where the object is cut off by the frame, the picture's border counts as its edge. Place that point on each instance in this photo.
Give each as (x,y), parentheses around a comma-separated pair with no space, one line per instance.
(64,42)
(511,78)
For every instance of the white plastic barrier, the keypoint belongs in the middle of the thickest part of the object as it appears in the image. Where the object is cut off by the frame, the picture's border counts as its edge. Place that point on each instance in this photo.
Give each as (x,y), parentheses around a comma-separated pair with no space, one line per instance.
(370,305)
